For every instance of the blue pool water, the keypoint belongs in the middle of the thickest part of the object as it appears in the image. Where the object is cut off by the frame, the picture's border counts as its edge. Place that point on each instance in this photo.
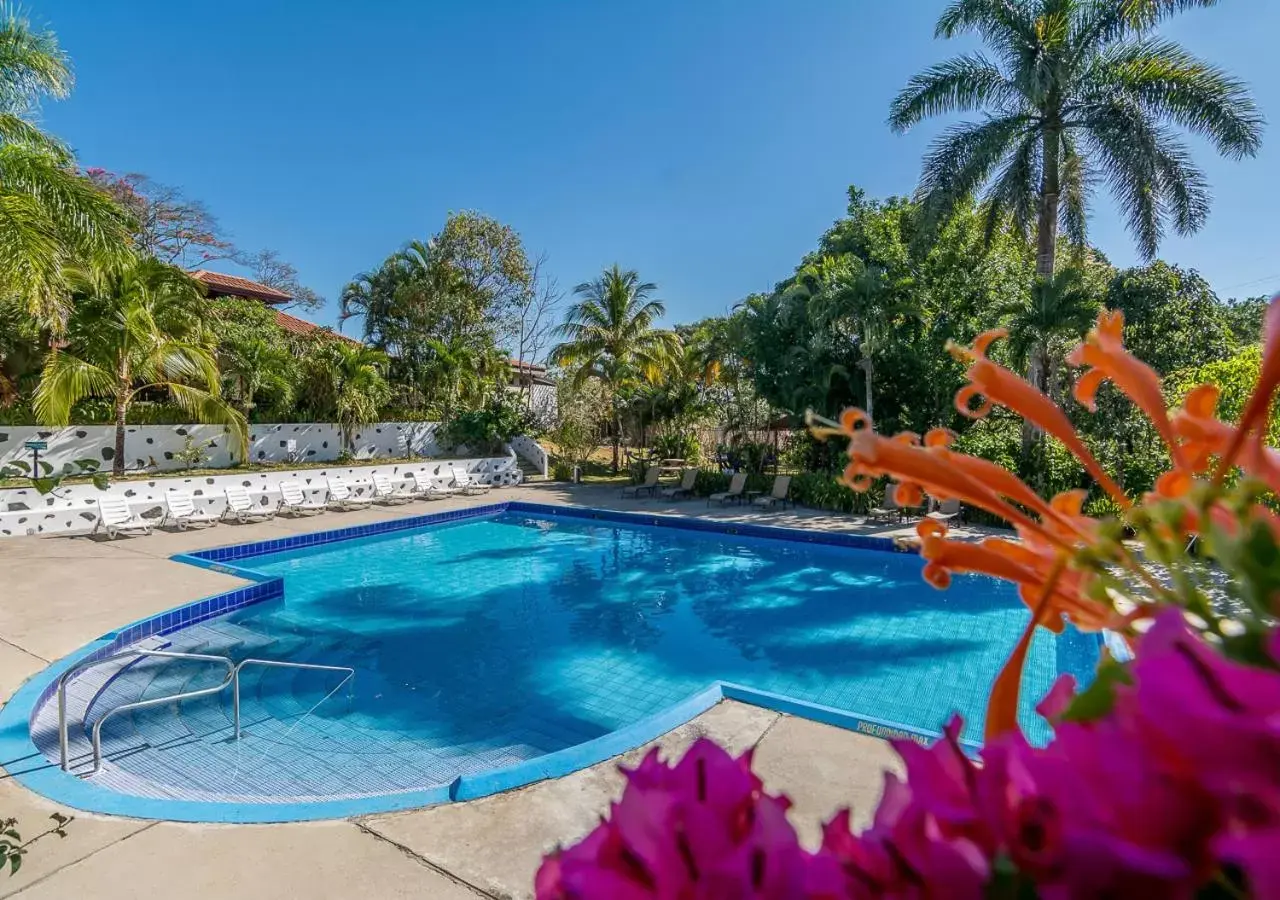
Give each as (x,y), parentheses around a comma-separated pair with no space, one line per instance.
(486,642)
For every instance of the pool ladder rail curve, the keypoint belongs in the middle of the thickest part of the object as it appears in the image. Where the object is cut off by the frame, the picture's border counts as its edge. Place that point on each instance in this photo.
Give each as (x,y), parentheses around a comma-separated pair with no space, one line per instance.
(232,678)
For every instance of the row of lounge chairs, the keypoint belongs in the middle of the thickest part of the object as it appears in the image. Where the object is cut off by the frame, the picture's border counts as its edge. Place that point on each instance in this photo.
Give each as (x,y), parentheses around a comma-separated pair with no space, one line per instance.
(736,493)
(115,516)
(890,508)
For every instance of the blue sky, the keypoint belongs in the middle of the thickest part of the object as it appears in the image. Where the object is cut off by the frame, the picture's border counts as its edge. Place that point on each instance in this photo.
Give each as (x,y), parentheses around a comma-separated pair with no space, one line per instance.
(706,144)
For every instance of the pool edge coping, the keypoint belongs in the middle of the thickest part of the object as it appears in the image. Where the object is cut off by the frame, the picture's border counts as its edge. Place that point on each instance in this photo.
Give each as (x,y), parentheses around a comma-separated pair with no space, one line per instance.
(49,781)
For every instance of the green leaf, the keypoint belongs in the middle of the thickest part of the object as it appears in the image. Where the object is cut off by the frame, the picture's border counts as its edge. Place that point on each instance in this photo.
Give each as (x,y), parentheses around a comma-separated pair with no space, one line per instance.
(23,467)
(1097,699)
(46,485)
(88,465)
(45,467)
(102,481)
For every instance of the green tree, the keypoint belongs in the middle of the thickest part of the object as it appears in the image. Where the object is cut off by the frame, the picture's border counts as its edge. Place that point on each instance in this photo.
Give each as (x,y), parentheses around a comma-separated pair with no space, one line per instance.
(133,330)
(343,382)
(254,356)
(609,334)
(50,216)
(1173,319)
(460,373)
(1083,93)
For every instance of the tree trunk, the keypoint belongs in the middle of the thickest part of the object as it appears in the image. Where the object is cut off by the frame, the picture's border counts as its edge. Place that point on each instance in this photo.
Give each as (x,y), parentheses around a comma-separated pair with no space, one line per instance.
(1050,190)
(1046,252)
(122,406)
(868,369)
(617,434)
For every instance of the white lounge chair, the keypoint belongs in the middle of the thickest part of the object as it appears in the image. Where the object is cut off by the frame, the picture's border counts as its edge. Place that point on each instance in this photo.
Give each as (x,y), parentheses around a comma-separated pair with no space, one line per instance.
(781,485)
(945,510)
(293,500)
(115,517)
(888,508)
(467,483)
(737,484)
(428,487)
(684,489)
(385,492)
(648,486)
(340,496)
(182,511)
(242,509)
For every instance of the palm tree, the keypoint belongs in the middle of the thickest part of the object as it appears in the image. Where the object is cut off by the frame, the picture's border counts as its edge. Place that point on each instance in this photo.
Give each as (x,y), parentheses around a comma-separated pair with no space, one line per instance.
(609,335)
(136,329)
(352,375)
(1081,93)
(254,365)
(50,216)
(1057,311)
(459,371)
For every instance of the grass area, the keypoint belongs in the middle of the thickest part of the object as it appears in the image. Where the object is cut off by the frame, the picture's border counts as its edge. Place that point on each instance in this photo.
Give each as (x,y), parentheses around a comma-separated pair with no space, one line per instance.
(251,469)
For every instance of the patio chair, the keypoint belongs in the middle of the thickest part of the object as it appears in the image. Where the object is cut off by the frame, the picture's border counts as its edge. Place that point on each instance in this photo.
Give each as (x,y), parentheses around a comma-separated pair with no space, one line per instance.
(385,492)
(888,508)
(293,500)
(945,510)
(648,486)
(115,517)
(429,488)
(737,485)
(467,483)
(340,496)
(688,479)
(242,509)
(781,487)
(180,508)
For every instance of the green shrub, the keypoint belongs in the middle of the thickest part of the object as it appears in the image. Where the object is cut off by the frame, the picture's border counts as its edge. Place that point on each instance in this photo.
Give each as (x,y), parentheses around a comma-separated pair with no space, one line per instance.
(486,430)
(820,490)
(678,446)
(562,471)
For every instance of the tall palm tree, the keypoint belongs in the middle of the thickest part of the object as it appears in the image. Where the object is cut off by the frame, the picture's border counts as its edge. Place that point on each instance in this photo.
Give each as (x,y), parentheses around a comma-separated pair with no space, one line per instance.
(50,216)
(135,329)
(1081,92)
(608,334)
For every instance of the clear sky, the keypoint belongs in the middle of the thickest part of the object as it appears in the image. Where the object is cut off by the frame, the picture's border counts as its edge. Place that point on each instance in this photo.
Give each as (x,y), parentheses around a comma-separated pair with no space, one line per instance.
(706,143)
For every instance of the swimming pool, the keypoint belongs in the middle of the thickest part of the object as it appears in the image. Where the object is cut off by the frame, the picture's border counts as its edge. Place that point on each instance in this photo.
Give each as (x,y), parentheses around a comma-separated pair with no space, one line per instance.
(511,638)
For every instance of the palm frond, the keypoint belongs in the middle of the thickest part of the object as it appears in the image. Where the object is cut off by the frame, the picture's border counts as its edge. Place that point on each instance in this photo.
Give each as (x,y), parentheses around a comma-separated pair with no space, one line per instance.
(32,65)
(65,382)
(211,408)
(1076,182)
(1173,84)
(958,85)
(962,159)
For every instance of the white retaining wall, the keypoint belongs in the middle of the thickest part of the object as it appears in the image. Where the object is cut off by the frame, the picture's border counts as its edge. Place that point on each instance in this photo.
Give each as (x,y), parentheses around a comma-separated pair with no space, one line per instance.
(155,447)
(74,508)
(531,450)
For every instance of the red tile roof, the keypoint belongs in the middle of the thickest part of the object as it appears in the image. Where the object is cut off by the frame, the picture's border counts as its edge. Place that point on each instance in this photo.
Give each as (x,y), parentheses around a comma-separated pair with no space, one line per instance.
(230,285)
(301,326)
(523,366)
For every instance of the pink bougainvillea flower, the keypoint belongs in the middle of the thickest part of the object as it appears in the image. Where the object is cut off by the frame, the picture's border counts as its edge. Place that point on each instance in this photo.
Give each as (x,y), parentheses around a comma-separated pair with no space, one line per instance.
(703,828)
(904,854)
(1209,719)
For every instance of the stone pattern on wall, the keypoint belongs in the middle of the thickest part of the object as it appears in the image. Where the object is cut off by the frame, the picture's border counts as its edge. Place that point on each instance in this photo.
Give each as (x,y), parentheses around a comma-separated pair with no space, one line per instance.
(74,508)
(154,448)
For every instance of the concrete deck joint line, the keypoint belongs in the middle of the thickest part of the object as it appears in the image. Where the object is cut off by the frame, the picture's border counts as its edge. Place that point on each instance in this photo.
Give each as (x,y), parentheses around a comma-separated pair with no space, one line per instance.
(76,862)
(764,734)
(423,861)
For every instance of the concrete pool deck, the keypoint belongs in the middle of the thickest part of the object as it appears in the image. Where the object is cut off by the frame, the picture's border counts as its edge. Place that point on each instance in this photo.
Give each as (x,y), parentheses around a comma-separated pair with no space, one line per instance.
(59,593)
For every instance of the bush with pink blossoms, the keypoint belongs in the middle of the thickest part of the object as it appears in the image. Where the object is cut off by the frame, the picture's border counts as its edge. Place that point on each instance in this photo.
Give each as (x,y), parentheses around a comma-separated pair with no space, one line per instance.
(1163,775)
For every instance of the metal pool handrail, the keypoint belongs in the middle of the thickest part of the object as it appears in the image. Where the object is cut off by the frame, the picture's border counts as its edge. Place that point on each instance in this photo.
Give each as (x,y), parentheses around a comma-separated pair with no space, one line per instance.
(168,654)
(233,679)
(278,664)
